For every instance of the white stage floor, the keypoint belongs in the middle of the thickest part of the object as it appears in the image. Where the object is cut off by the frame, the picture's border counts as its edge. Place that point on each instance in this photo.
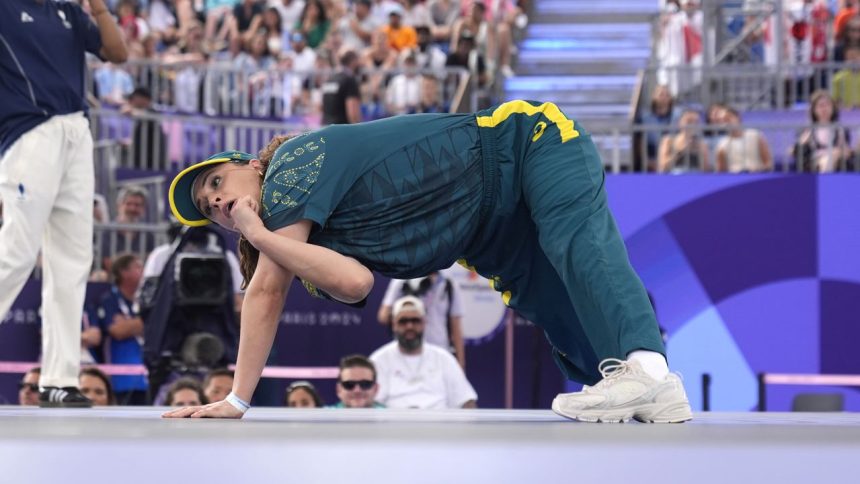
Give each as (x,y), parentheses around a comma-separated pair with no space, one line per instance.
(133,445)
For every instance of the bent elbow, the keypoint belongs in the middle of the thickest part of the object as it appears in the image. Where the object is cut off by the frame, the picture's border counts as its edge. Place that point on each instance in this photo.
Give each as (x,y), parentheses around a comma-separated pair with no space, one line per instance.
(358,288)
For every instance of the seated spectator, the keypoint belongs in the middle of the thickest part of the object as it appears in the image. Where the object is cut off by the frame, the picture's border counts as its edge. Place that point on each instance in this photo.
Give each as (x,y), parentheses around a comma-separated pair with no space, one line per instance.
(28,387)
(356,383)
(400,36)
(185,392)
(715,126)
(247,17)
(357,26)
(443,15)
(302,394)
(492,41)
(431,100)
(742,150)
(148,143)
(131,209)
(133,26)
(255,56)
(119,318)
(468,57)
(96,386)
(378,58)
(826,146)
(291,12)
(404,90)
(162,17)
(427,54)
(414,374)
(684,151)
(303,58)
(846,82)
(218,384)
(661,113)
(272,30)
(415,13)
(313,23)
(113,84)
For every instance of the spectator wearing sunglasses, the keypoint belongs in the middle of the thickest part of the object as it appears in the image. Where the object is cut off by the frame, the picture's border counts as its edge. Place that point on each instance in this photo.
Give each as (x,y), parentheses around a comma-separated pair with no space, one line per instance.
(414,374)
(356,383)
(28,387)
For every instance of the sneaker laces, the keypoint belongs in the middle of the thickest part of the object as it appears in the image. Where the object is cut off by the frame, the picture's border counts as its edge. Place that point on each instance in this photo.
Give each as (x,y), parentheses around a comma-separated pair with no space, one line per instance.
(610,369)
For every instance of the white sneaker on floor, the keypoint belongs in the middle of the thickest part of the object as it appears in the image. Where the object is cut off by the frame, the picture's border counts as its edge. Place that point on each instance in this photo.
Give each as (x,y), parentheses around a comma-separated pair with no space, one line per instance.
(626,392)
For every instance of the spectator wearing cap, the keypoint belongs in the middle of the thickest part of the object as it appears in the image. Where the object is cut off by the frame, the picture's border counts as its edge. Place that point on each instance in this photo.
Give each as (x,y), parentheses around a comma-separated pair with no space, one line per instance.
(400,36)
(302,55)
(414,374)
(356,383)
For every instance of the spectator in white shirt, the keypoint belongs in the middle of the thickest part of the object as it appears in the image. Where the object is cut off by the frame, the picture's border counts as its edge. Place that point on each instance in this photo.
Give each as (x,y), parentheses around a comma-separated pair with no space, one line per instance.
(403,94)
(742,150)
(414,374)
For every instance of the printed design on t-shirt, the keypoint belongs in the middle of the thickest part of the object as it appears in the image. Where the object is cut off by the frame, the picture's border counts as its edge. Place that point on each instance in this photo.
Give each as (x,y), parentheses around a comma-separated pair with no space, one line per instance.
(294,170)
(311,289)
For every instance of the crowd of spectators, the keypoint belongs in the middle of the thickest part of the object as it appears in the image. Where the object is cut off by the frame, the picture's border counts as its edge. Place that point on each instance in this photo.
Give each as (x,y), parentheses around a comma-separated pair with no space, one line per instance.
(822,42)
(675,140)
(264,58)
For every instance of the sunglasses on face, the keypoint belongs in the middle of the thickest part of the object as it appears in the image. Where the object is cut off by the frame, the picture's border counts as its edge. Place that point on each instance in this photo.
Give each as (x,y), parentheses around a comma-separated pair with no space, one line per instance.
(29,386)
(405,321)
(351,384)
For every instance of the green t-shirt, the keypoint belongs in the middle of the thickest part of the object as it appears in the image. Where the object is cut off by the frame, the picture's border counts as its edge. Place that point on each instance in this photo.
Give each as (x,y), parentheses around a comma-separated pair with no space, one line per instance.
(401,195)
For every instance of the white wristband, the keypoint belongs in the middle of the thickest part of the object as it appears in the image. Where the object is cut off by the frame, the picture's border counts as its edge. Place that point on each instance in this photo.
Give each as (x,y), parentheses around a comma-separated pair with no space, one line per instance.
(237,402)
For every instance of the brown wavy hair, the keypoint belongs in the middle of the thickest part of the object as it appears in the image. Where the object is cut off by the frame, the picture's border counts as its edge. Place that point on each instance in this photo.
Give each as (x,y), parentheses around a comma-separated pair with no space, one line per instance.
(248,254)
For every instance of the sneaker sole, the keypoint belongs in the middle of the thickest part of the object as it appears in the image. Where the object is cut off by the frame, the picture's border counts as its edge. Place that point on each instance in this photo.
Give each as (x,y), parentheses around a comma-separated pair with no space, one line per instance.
(653,413)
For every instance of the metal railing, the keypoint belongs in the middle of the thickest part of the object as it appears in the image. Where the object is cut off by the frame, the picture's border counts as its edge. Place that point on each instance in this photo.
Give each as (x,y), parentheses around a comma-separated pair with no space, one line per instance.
(112,239)
(221,89)
(738,66)
(753,86)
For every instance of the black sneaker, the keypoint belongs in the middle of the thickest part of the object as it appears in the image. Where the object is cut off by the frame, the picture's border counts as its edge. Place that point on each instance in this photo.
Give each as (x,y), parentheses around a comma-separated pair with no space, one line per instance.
(66,397)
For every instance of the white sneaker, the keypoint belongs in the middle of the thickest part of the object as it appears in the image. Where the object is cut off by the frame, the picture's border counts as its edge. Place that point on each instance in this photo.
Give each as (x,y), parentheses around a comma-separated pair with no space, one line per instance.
(626,392)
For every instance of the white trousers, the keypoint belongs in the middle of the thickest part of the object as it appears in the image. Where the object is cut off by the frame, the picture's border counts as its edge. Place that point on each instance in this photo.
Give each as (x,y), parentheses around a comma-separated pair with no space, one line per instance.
(46,185)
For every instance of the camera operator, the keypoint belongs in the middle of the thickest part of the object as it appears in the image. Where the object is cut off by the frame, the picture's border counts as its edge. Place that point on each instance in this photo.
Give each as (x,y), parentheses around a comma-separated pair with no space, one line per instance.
(189,300)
